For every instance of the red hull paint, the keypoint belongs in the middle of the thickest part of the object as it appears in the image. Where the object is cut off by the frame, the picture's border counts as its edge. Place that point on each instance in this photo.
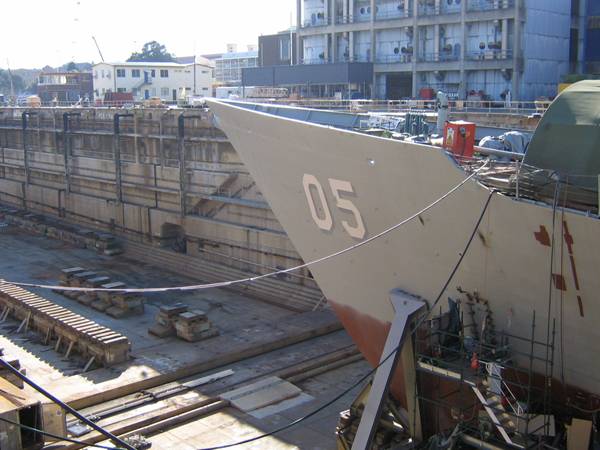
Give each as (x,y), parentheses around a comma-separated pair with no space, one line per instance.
(369,335)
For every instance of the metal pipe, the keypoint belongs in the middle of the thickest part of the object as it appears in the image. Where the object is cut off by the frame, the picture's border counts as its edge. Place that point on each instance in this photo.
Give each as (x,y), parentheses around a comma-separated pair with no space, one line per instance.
(24,123)
(63,405)
(182,163)
(117,152)
(501,153)
(67,145)
(478,443)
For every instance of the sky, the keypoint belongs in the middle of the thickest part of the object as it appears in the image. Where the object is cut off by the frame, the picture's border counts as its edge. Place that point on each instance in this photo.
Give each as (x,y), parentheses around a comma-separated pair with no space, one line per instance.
(35,33)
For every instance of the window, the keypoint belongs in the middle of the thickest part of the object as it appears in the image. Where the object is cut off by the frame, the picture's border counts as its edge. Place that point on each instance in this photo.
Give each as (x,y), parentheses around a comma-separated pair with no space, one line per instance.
(205,71)
(135,73)
(164,73)
(284,49)
(205,89)
(121,90)
(164,92)
(120,73)
(152,73)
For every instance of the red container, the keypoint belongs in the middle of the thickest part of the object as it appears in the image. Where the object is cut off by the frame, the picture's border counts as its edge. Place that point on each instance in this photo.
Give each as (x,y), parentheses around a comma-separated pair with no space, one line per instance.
(426,94)
(459,138)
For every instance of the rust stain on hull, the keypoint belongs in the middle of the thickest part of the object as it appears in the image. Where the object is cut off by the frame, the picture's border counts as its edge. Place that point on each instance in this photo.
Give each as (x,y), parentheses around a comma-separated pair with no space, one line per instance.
(369,335)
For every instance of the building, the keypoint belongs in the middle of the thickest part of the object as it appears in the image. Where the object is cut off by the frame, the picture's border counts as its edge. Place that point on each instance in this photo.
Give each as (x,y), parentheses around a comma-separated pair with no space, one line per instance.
(277,52)
(153,79)
(469,48)
(277,49)
(229,65)
(592,37)
(65,86)
(341,80)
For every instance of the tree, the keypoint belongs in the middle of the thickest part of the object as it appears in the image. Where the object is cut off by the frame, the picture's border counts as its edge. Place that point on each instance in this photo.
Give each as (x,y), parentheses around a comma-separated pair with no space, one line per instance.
(71,67)
(152,52)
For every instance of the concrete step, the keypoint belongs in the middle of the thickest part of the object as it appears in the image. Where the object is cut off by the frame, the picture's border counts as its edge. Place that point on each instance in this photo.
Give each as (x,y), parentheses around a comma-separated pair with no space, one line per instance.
(286,293)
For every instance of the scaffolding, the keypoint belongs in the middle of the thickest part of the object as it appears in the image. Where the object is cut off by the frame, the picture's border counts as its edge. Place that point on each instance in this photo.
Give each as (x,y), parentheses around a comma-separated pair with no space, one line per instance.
(479,383)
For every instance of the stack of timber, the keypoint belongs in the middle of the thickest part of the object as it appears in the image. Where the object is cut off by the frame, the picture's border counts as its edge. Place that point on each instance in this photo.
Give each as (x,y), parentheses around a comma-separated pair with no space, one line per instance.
(176,320)
(7,374)
(116,304)
(194,326)
(104,243)
(68,331)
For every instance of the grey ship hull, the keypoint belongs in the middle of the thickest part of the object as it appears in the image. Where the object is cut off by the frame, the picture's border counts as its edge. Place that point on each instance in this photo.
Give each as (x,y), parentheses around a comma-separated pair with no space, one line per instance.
(384,181)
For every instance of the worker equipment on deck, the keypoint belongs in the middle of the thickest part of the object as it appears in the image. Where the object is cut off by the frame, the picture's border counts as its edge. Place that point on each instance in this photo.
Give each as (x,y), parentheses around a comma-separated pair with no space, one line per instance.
(459,138)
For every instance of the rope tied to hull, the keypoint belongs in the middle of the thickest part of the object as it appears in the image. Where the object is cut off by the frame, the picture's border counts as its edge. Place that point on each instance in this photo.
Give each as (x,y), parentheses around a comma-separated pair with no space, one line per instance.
(225,284)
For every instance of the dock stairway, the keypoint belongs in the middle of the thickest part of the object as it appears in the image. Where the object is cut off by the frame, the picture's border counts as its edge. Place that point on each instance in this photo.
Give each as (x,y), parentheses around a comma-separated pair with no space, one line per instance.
(503,420)
(489,391)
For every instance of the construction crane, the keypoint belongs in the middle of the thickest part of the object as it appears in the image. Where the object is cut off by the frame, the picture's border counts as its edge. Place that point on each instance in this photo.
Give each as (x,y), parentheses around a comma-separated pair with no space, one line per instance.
(12,87)
(98,47)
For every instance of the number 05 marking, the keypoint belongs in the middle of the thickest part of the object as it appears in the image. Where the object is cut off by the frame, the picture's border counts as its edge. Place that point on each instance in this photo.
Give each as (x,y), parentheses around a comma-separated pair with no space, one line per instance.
(325,223)
(322,215)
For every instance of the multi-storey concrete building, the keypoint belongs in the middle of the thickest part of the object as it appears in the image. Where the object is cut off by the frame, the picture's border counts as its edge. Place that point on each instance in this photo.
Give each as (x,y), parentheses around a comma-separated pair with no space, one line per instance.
(468,48)
(229,65)
(277,49)
(153,79)
(65,86)
(592,36)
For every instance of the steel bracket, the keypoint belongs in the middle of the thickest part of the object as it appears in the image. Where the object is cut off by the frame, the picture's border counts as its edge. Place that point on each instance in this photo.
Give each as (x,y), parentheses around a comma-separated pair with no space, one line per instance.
(406,308)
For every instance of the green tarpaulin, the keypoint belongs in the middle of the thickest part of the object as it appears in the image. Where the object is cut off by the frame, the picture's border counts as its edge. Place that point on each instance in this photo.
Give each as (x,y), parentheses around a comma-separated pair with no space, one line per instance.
(567,139)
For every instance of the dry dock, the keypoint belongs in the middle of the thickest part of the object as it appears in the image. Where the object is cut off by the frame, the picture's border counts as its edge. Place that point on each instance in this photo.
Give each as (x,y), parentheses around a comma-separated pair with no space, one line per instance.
(256,340)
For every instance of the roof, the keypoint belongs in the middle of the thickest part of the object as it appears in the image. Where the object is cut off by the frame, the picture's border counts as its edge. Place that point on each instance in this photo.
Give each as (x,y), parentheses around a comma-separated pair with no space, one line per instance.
(150,64)
(86,73)
(567,139)
(239,55)
(199,60)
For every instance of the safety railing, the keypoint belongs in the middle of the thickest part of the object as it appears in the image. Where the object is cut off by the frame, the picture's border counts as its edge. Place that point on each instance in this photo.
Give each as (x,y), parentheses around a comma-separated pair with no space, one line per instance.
(314,61)
(489,55)
(414,105)
(343,20)
(394,58)
(362,58)
(489,5)
(431,10)
(393,14)
(438,57)
(319,21)
(510,396)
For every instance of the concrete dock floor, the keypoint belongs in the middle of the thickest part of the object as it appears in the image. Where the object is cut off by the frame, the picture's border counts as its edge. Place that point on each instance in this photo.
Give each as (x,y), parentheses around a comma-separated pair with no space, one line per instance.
(247,326)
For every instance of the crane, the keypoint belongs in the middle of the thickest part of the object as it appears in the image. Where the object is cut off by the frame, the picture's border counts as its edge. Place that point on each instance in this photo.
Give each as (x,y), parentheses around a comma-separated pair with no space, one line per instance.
(98,47)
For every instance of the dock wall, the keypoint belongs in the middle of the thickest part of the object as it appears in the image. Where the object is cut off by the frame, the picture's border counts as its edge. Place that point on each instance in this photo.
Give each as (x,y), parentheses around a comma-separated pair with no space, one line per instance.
(165,178)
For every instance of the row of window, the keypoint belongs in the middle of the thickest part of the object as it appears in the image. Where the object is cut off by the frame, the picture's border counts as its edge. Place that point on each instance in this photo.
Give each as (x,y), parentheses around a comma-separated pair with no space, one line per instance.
(136,73)
(164,92)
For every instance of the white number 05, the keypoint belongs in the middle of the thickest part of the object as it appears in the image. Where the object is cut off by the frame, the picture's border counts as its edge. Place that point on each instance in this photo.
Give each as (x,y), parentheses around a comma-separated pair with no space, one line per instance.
(322,214)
